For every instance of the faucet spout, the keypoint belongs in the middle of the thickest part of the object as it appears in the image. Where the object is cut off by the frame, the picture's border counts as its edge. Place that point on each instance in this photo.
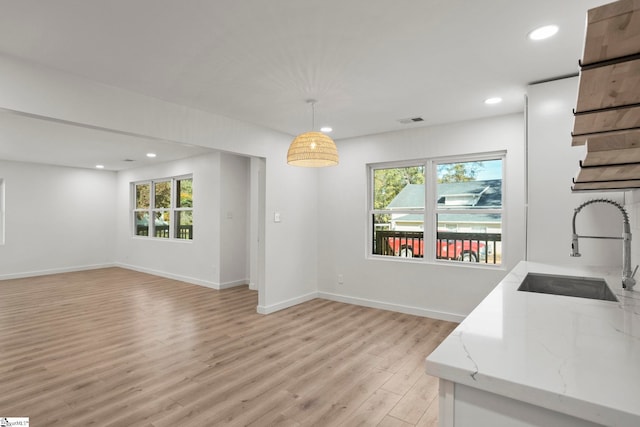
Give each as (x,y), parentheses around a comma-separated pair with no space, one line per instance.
(628,282)
(575,251)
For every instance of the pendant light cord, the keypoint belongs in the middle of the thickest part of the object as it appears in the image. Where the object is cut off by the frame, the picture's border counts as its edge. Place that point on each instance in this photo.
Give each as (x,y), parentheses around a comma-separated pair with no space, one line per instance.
(313,113)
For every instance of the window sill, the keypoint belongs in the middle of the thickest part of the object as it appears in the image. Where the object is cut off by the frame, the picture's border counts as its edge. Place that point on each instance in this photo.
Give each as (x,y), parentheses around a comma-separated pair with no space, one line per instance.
(160,239)
(447,263)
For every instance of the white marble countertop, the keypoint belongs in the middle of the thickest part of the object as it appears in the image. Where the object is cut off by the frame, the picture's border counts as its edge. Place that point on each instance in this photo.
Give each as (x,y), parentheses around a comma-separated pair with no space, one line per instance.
(572,355)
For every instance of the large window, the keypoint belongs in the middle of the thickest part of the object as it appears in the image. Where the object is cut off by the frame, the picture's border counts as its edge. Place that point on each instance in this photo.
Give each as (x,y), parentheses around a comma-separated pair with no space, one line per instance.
(447,210)
(163,208)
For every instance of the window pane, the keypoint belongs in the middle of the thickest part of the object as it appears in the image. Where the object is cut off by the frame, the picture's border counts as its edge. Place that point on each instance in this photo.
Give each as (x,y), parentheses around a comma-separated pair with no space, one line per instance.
(142,223)
(184,193)
(398,235)
(398,188)
(470,237)
(161,223)
(162,191)
(184,222)
(143,195)
(470,185)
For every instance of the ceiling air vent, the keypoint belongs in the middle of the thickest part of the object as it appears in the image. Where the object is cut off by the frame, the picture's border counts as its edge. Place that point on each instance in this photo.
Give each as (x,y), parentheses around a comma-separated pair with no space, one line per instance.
(411,120)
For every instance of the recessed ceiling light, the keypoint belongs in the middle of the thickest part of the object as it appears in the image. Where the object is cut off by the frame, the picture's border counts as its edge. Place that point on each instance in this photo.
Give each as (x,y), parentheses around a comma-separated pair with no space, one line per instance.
(494,100)
(326,129)
(99,166)
(543,32)
(152,155)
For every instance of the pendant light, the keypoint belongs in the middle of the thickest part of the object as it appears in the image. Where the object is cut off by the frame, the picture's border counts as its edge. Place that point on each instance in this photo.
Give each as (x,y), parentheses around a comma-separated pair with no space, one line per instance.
(312,149)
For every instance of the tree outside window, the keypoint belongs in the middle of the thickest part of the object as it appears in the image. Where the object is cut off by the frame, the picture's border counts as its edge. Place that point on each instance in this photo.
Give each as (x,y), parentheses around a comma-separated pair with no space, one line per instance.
(163,208)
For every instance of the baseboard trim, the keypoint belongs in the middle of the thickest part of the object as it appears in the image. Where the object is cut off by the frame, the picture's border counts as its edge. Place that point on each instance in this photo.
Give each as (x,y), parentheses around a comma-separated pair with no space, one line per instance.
(187,279)
(233,284)
(416,311)
(36,273)
(268,309)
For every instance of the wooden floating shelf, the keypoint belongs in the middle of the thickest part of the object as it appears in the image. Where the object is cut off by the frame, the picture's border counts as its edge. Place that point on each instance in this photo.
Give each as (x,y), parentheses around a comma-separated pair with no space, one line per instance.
(598,121)
(613,31)
(631,135)
(606,186)
(607,114)
(624,172)
(612,150)
(610,86)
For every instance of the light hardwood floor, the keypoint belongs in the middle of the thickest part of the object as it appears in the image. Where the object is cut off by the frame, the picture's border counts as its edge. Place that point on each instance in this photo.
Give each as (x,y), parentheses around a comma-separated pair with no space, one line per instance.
(114,347)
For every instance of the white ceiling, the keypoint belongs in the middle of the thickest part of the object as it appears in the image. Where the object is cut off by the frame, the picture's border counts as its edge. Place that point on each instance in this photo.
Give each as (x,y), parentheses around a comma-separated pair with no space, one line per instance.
(24,138)
(368,63)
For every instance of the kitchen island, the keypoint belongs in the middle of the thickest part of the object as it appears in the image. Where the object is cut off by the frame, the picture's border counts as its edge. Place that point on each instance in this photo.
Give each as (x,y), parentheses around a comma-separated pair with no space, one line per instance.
(531,359)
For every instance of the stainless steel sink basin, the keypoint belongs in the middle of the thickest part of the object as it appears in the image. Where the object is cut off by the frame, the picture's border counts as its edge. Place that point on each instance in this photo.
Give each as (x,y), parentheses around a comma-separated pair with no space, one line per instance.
(571,286)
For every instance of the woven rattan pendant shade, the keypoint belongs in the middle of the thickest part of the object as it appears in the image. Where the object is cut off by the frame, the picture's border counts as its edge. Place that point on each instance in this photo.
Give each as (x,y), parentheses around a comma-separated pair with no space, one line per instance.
(312,149)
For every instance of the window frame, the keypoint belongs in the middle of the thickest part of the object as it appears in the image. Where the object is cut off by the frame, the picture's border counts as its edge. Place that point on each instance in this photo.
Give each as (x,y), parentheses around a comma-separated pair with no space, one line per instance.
(2,211)
(372,211)
(431,210)
(469,211)
(152,209)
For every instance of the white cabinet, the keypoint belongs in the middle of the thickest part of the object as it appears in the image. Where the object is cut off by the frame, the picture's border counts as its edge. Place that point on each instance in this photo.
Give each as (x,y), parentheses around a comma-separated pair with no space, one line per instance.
(463,406)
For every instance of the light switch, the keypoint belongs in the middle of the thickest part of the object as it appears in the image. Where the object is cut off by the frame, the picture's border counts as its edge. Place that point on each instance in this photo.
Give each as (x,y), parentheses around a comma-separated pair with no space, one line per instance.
(276,217)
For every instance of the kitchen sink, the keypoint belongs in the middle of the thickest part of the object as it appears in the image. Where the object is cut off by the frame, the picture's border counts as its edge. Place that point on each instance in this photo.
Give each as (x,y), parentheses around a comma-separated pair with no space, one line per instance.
(571,286)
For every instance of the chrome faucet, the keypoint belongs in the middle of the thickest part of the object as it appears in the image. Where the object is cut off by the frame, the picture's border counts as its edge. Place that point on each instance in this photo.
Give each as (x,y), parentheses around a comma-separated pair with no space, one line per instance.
(627,276)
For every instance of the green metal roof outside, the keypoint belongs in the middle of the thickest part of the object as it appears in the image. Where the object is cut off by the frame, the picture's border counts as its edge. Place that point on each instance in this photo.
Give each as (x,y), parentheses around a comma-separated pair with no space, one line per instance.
(488,191)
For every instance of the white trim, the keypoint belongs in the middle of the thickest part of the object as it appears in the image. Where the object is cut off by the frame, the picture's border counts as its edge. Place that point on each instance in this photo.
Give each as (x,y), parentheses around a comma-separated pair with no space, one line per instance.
(55,271)
(164,274)
(416,311)
(151,210)
(268,309)
(446,403)
(233,283)
(370,209)
(253,286)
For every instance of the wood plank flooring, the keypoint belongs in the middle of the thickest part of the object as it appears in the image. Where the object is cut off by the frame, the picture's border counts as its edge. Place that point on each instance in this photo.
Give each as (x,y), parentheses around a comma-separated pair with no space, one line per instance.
(114,347)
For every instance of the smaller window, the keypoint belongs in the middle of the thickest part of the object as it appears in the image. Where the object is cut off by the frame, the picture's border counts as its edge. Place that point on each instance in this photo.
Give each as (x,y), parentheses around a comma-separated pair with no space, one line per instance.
(162,212)
(164,208)
(184,209)
(141,210)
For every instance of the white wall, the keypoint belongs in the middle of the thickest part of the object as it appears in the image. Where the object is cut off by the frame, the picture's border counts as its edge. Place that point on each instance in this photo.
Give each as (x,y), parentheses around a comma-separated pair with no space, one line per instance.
(256,225)
(291,244)
(196,261)
(218,255)
(234,216)
(57,219)
(289,275)
(552,163)
(437,290)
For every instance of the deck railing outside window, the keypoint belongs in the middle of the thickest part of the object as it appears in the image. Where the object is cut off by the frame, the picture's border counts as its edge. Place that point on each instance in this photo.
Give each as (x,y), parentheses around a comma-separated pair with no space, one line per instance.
(184,231)
(471,247)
